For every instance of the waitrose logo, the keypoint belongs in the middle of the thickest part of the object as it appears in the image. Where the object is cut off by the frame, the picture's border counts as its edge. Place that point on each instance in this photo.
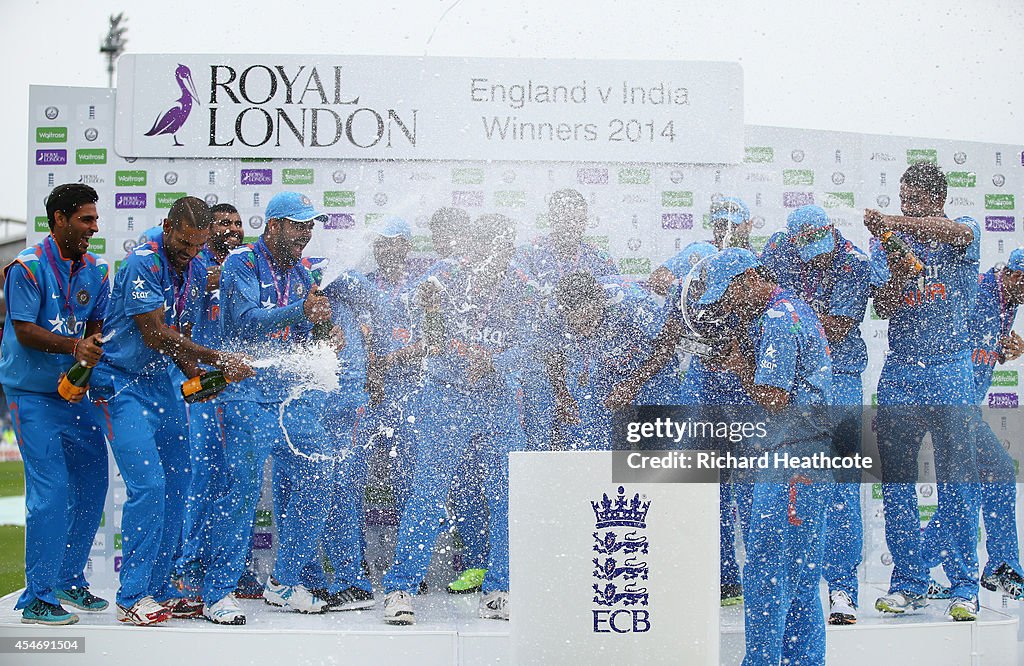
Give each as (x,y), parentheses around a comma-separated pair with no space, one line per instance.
(345,199)
(130,178)
(91,156)
(961,178)
(999,202)
(472,176)
(510,198)
(297,176)
(98,245)
(797,177)
(51,135)
(676,199)
(42,224)
(167,199)
(922,155)
(838,199)
(759,155)
(635,266)
(1004,378)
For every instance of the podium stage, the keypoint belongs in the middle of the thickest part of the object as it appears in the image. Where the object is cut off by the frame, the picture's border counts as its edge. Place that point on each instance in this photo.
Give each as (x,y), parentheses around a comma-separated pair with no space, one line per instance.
(448,632)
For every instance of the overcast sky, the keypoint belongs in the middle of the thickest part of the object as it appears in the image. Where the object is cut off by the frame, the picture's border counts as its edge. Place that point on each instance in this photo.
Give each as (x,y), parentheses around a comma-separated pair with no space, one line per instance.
(951,69)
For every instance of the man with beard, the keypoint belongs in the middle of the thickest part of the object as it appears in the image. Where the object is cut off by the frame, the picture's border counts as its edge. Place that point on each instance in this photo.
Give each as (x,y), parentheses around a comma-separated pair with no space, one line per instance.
(206,446)
(271,303)
(146,416)
(56,293)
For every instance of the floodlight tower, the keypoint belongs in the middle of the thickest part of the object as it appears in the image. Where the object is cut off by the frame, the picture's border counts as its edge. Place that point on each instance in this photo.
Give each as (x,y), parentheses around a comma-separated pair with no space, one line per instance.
(113,44)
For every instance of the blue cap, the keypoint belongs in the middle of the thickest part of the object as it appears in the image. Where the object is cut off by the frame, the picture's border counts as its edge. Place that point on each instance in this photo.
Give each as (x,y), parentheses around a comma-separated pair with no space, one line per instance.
(688,257)
(293,206)
(396,227)
(722,268)
(810,232)
(1016,262)
(730,208)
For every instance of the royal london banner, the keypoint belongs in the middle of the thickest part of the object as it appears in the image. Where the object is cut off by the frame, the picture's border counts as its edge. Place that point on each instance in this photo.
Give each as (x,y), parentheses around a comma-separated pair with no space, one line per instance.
(343,107)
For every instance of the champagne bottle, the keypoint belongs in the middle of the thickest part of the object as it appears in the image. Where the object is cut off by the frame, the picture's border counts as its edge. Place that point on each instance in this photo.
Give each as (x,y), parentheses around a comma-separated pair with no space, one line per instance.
(322,331)
(203,385)
(73,384)
(893,244)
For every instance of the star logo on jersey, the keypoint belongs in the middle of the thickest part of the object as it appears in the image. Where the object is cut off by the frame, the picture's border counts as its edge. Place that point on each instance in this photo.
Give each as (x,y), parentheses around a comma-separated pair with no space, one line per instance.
(138,283)
(267,304)
(58,324)
(462,328)
(770,351)
(987,339)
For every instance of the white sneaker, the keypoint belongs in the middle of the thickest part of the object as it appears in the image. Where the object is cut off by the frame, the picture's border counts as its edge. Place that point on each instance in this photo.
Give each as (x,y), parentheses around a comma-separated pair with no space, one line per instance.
(963,610)
(841,608)
(398,608)
(143,613)
(494,606)
(293,597)
(225,611)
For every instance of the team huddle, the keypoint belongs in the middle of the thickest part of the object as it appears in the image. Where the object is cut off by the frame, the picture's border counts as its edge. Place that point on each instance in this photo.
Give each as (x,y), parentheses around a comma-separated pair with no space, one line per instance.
(446,364)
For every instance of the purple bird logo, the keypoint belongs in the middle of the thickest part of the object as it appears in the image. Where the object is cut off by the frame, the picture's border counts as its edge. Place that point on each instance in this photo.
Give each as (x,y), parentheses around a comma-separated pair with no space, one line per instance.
(172,119)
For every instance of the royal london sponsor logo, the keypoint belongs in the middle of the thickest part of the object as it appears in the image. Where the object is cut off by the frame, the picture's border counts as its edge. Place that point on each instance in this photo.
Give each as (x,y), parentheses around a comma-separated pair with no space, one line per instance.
(620,574)
(676,221)
(1003,400)
(256,177)
(52,157)
(797,199)
(1000,223)
(467,198)
(592,176)
(130,200)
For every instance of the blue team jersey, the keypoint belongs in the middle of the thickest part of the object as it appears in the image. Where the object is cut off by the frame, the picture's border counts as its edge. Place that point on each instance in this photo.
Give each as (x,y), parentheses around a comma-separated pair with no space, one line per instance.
(540,266)
(619,346)
(206,324)
(146,282)
(991,319)
(474,320)
(43,288)
(394,317)
(840,291)
(262,313)
(351,312)
(791,352)
(931,322)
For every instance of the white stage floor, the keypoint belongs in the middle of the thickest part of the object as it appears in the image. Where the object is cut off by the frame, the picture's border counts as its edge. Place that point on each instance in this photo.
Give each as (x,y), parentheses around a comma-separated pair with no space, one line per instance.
(448,632)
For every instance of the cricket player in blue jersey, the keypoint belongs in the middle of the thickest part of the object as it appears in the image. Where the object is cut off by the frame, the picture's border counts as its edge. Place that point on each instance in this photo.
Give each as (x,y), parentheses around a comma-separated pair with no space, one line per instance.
(205,443)
(783,515)
(542,264)
(813,260)
(928,298)
(609,330)
(56,294)
(1000,292)
(148,428)
(269,304)
(471,328)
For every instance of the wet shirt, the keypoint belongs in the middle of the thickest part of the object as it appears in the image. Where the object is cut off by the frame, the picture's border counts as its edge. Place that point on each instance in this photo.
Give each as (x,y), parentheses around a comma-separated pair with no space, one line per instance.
(991,319)
(394,319)
(350,311)
(931,322)
(840,291)
(621,343)
(146,282)
(206,324)
(473,320)
(56,294)
(262,310)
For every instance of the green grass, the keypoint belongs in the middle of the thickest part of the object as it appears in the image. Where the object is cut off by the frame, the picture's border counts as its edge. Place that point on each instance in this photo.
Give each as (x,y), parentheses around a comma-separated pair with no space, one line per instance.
(12,537)
(12,478)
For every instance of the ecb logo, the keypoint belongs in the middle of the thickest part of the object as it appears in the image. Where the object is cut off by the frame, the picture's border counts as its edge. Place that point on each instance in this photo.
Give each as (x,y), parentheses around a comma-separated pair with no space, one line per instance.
(621,567)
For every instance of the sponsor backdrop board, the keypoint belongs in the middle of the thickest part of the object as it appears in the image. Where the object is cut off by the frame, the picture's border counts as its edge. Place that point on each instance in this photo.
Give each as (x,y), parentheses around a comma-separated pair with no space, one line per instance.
(635,566)
(640,212)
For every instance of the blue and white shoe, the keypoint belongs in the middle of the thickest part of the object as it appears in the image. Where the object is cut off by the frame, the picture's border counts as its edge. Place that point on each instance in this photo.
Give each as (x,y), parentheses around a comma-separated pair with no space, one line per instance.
(83,599)
(1004,579)
(898,603)
(937,590)
(41,612)
(292,597)
(963,610)
(225,611)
